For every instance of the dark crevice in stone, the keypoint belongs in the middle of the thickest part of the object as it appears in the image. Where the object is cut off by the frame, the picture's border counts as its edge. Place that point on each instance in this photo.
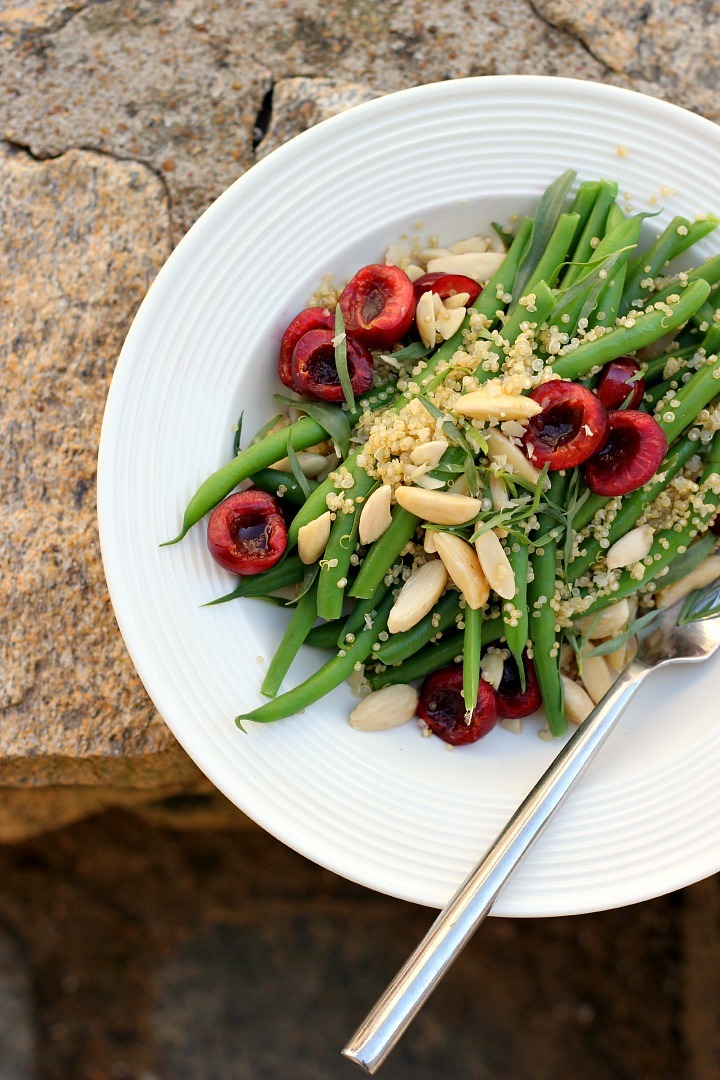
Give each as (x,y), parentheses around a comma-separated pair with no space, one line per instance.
(574,37)
(264,116)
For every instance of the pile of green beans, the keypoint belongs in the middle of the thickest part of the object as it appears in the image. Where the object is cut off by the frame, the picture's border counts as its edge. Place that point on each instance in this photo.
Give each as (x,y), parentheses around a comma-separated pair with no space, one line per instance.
(557,258)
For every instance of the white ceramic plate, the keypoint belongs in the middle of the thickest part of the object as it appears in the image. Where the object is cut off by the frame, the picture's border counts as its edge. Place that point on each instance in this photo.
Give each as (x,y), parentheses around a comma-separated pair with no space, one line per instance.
(394,811)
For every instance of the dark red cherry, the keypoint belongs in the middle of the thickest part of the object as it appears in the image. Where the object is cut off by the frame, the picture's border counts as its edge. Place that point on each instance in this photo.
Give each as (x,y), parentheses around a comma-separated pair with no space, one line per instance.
(569,430)
(378,305)
(445,285)
(246,532)
(313,318)
(315,372)
(620,379)
(632,454)
(442,707)
(512,701)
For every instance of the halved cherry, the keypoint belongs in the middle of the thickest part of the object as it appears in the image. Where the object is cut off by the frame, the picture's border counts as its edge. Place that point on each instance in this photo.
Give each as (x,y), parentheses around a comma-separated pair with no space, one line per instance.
(512,701)
(442,707)
(314,370)
(445,285)
(313,318)
(632,454)
(246,532)
(569,430)
(620,379)
(378,305)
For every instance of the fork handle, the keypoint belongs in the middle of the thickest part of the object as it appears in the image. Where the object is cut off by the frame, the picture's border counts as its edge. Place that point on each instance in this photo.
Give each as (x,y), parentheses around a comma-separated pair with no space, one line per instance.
(457,922)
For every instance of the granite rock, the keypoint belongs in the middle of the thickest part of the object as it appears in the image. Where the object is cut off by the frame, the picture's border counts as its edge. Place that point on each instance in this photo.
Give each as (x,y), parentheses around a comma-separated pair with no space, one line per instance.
(82,236)
(299,104)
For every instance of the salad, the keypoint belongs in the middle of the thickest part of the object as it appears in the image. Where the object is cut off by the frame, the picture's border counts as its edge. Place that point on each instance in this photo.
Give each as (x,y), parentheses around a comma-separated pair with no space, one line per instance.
(493,464)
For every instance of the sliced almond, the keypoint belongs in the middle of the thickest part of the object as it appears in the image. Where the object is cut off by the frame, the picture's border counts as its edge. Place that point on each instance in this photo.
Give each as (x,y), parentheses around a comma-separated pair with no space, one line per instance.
(473,243)
(597,677)
(630,548)
(430,483)
(492,666)
(448,321)
(414,272)
(385,709)
(425,319)
(375,515)
(503,450)
(464,568)
(313,538)
(484,405)
(480,266)
(439,507)
(422,589)
(429,545)
(310,464)
(607,624)
(457,300)
(495,564)
(429,453)
(578,703)
(702,575)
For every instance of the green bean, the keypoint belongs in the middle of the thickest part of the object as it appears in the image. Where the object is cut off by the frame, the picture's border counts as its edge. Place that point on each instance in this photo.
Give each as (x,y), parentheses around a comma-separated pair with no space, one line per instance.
(544,305)
(619,242)
(381,555)
(327,678)
(709,272)
(515,611)
(472,644)
(667,543)
(705,315)
(325,635)
(693,396)
(647,327)
(401,645)
(654,368)
(609,300)
(615,217)
(432,657)
(584,201)
(288,572)
(711,341)
(272,479)
(633,506)
(540,594)
(594,228)
(696,231)
(356,620)
(316,505)
(649,264)
(654,394)
(335,563)
(303,616)
(551,261)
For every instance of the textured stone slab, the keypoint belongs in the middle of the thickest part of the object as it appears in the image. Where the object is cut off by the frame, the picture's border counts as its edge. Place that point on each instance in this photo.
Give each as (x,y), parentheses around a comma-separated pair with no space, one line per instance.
(81,238)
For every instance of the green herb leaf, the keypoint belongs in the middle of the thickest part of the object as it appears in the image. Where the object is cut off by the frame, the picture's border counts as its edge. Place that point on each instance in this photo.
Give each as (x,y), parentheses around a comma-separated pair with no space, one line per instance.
(548,211)
(587,288)
(267,427)
(300,477)
(333,419)
(505,235)
(309,576)
(610,646)
(414,351)
(683,564)
(701,604)
(238,434)
(341,361)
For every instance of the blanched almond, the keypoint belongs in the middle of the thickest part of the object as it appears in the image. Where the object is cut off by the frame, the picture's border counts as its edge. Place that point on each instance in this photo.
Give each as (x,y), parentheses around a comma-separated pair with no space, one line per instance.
(492,666)
(498,493)
(578,704)
(429,545)
(500,447)
(448,321)
(473,243)
(425,319)
(430,483)
(310,464)
(375,515)
(440,507)
(702,575)
(495,564)
(630,548)
(422,589)
(608,623)
(480,266)
(458,300)
(414,272)
(385,709)
(617,660)
(429,453)
(463,566)
(483,405)
(433,253)
(597,677)
(313,538)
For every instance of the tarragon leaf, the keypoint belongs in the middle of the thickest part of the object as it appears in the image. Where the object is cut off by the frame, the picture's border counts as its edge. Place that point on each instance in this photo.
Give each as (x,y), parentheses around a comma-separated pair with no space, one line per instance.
(683,564)
(701,604)
(300,477)
(611,646)
(238,434)
(331,418)
(341,361)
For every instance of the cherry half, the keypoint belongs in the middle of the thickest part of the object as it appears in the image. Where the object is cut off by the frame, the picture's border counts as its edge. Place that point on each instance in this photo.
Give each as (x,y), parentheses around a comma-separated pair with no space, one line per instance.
(315,372)
(378,305)
(569,430)
(632,454)
(246,532)
(314,318)
(442,707)
(445,285)
(619,380)
(512,701)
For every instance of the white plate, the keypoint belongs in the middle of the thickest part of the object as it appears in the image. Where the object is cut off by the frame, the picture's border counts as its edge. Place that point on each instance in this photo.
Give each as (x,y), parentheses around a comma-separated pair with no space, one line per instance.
(393,811)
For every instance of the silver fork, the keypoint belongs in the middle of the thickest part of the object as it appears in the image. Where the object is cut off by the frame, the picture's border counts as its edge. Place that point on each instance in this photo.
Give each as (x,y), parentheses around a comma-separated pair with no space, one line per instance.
(662,642)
